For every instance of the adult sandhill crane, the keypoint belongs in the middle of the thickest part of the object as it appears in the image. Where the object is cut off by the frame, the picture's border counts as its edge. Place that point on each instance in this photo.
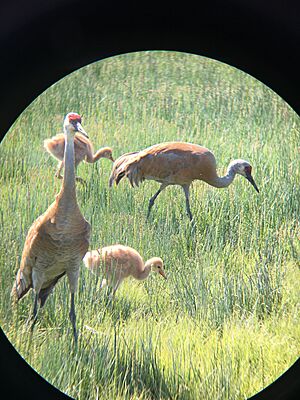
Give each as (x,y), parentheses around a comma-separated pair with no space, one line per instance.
(176,163)
(118,262)
(84,151)
(58,240)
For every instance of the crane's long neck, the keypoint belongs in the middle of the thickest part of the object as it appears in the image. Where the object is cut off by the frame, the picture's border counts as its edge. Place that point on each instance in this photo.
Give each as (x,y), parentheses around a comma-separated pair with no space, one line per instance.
(98,155)
(68,189)
(145,272)
(224,181)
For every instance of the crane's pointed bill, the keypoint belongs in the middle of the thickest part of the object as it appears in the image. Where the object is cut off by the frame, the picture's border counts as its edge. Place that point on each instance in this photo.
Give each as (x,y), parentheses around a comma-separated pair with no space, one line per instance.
(162,273)
(80,129)
(251,180)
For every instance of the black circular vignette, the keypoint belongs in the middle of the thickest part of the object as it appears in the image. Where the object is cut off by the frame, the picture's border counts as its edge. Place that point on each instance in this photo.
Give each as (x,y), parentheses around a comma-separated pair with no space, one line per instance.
(39,46)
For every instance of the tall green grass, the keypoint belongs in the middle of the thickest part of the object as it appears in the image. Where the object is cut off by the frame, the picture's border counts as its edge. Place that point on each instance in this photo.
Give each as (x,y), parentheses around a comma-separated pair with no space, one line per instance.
(226,322)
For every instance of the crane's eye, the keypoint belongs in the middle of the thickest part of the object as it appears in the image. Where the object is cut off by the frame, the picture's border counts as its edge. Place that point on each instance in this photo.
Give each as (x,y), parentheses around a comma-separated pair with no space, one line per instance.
(248,169)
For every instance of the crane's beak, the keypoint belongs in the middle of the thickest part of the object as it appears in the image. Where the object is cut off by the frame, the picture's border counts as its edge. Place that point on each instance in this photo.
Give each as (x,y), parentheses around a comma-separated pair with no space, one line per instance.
(251,180)
(111,158)
(80,129)
(162,273)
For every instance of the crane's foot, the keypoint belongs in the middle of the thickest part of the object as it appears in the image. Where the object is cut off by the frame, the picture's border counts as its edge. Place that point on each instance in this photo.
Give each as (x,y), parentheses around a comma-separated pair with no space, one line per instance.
(33,321)
(58,176)
(30,322)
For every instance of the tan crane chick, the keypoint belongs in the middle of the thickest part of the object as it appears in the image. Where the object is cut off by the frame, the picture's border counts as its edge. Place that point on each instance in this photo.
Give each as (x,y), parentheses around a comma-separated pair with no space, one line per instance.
(176,163)
(117,262)
(58,240)
(84,151)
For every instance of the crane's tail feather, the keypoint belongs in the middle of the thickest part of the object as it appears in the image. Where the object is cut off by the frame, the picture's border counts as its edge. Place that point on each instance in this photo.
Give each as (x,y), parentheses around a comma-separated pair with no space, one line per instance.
(117,173)
(21,286)
(127,165)
(124,166)
(47,144)
(119,177)
(115,177)
(134,175)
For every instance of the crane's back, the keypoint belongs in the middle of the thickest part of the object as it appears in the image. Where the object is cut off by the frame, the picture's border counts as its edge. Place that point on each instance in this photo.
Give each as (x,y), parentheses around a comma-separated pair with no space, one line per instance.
(177,163)
(120,261)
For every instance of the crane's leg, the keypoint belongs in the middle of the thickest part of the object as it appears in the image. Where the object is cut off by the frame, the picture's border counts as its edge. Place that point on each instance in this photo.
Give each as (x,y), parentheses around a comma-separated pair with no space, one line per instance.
(72,316)
(186,189)
(153,198)
(37,282)
(112,290)
(35,310)
(59,168)
(115,288)
(73,280)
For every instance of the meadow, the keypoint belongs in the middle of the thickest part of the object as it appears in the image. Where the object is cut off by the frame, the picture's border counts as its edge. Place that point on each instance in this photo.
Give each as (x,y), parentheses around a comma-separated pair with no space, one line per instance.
(226,322)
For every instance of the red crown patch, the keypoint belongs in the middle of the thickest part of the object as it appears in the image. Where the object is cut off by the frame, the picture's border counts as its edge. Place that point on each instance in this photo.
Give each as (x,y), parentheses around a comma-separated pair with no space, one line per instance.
(74,117)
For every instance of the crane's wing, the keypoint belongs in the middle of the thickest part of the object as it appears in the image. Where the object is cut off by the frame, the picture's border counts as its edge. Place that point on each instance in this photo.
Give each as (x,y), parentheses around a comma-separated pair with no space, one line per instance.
(55,146)
(170,162)
(35,242)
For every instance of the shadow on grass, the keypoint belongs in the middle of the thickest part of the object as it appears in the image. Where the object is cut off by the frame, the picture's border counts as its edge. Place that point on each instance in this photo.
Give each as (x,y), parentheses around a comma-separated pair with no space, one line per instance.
(132,371)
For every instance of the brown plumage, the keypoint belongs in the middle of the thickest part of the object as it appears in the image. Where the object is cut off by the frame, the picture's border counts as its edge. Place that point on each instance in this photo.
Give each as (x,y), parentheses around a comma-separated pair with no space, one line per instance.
(117,262)
(58,240)
(176,163)
(84,151)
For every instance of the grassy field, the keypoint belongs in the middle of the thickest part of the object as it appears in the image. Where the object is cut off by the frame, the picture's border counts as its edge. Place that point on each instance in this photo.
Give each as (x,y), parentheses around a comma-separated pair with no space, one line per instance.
(226,322)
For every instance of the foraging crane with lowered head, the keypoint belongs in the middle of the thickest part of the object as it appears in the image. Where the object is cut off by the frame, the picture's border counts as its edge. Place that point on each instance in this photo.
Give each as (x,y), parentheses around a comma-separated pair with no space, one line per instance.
(117,262)
(176,163)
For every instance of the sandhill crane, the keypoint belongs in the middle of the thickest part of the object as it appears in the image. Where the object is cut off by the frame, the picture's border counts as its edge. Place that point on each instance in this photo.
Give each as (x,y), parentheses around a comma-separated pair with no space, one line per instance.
(117,262)
(58,240)
(176,163)
(84,151)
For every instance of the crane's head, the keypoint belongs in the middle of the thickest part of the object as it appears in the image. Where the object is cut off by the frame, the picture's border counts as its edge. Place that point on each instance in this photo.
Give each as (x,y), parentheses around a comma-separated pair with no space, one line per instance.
(157,265)
(72,124)
(243,168)
(107,153)
(92,260)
